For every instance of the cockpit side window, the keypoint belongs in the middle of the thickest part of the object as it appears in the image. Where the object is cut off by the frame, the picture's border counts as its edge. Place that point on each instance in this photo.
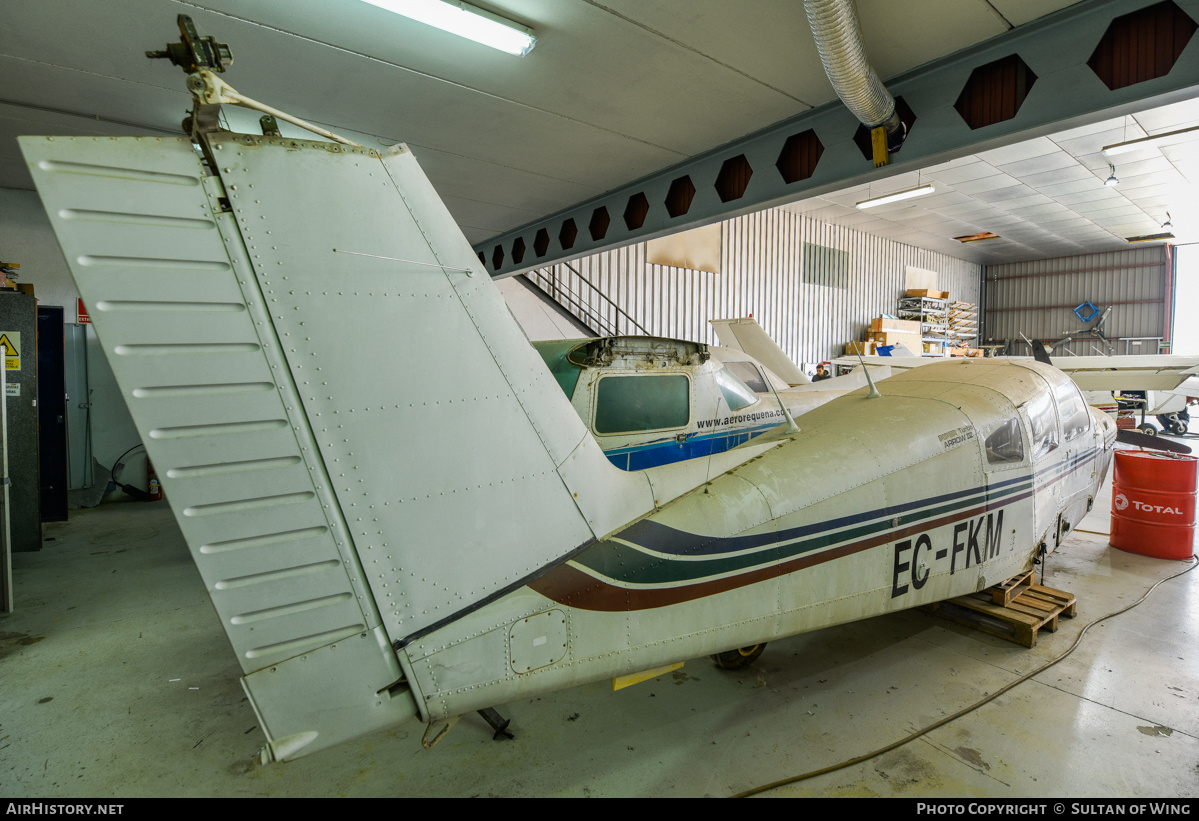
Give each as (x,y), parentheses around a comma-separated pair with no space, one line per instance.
(1076,419)
(1006,443)
(747,373)
(1043,419)
(632,404)
(736,393)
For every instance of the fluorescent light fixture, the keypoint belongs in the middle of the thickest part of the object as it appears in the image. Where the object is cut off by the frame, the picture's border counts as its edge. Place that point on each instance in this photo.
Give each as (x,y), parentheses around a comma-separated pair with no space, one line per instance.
(466,21)
(906,194)
(1145,142)
(979,237)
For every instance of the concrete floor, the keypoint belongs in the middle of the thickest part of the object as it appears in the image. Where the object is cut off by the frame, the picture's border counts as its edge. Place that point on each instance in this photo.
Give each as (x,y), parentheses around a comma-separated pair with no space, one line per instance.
(117,681)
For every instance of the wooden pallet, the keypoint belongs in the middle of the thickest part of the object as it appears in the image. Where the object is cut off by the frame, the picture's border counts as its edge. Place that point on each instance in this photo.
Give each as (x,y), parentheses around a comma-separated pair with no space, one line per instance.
(1015,610)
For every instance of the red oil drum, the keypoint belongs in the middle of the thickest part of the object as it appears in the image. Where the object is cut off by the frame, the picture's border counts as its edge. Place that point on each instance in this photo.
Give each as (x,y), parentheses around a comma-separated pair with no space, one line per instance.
(1153,503)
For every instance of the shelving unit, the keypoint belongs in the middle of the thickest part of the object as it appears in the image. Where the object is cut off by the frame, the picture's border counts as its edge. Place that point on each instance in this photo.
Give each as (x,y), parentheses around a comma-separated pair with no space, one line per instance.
(963,324)
(933,315)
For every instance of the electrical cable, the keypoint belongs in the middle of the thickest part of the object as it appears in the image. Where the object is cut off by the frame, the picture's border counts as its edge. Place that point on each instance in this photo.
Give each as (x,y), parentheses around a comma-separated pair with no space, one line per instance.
(966,710)
(136,493)
(117,463)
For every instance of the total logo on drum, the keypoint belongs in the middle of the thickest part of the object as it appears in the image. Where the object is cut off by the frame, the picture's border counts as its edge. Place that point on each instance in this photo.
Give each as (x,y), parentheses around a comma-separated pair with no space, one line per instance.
(1120,502)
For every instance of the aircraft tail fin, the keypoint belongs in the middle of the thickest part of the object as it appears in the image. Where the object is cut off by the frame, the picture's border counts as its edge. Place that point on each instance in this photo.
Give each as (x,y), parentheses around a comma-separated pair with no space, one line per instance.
(747,335)
(348,422)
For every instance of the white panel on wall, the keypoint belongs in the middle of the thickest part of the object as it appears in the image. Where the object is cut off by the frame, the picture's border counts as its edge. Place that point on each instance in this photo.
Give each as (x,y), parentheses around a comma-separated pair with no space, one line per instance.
(764,265)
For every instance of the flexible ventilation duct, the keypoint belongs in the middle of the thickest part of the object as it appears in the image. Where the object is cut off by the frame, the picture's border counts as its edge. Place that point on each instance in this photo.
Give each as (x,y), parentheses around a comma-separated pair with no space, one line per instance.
(839,40)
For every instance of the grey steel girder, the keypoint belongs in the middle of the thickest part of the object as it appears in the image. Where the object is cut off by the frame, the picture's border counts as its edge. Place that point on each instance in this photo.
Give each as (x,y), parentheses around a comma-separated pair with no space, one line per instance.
(1066,94)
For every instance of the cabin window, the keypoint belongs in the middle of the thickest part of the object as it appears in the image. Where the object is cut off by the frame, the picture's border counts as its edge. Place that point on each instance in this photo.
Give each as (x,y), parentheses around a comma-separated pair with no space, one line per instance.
(737,394)
(750,375)
(1076,418)
(1005,444)
(631,404)
(1044,425)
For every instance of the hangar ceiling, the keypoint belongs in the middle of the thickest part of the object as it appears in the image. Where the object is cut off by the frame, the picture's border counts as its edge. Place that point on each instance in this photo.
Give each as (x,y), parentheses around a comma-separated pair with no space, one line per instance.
(615,91)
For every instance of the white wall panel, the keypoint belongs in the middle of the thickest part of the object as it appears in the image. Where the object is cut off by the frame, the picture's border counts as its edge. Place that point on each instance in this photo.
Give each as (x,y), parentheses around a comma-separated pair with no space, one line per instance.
(762,274)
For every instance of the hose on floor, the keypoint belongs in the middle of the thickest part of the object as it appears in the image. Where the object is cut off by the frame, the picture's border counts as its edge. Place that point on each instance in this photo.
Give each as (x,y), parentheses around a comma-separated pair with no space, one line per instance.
(918,733)
(130,490)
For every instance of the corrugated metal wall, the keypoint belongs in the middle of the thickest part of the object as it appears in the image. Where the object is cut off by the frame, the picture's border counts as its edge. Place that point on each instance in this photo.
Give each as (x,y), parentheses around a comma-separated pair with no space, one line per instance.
(1038,299)
(762,274)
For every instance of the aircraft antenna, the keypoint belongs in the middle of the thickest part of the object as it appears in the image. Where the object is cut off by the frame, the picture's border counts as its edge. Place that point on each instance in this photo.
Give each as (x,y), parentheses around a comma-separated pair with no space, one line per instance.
(874,394)
(791,426)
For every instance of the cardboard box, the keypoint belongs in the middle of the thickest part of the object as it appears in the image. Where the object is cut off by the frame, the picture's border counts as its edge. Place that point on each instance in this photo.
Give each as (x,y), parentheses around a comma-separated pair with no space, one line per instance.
(886,323)
(855,348)
(925,292)
(25,288)
(894,338)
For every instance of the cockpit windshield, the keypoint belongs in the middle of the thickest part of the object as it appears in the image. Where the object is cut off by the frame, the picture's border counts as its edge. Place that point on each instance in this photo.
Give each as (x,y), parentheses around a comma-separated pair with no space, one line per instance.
(749,374)
(736,393)
(1076,419)
(1043,419)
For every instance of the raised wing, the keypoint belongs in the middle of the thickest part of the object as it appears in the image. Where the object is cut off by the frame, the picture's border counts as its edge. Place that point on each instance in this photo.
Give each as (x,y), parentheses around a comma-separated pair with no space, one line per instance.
(1091,373)
(1128,373)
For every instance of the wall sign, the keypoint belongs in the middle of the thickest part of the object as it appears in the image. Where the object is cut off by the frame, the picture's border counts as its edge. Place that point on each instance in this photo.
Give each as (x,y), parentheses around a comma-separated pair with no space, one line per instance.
(10,341)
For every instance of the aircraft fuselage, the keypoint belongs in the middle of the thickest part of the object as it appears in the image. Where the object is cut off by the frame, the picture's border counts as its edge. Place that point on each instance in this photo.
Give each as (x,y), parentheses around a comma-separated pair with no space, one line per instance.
(877,505)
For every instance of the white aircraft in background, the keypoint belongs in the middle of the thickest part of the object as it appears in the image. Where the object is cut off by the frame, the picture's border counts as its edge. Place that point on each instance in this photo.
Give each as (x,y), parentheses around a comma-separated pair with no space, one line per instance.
(1165,381)
(651,401)
(397,511)
(1171,408)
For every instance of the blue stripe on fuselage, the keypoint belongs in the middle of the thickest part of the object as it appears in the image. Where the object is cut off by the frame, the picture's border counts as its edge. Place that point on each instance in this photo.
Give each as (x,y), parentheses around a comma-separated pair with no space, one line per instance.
(667,451)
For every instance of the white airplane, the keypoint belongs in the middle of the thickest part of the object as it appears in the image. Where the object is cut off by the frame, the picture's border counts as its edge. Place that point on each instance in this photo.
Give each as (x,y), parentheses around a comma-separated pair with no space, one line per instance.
(1159,386)
(1170,408)
(1166,380)
(395,508)
(651,401)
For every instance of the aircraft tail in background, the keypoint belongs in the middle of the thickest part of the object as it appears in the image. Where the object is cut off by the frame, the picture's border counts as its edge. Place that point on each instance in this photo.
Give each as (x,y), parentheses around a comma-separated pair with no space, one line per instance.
(747,335)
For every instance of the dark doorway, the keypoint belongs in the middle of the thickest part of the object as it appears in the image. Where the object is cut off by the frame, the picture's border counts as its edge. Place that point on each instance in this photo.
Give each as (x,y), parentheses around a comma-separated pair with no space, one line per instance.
(52,413)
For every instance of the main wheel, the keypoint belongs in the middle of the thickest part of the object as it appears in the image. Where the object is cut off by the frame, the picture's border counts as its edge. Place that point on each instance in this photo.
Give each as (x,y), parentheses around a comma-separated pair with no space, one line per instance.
(1147,429)
(1178,428)
(740,658)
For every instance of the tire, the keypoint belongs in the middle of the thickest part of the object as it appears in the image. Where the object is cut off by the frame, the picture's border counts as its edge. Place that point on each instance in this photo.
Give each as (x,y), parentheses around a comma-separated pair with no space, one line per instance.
(1179,428)
(1147,429)
(739,659)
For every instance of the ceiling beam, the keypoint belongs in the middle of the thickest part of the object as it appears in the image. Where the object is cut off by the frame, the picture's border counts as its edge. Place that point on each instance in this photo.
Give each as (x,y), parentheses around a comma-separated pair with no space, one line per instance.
(1066,93)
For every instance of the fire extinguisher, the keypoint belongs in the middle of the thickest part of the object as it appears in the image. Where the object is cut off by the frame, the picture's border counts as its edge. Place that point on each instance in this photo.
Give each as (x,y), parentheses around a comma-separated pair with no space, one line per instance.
(152,478)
